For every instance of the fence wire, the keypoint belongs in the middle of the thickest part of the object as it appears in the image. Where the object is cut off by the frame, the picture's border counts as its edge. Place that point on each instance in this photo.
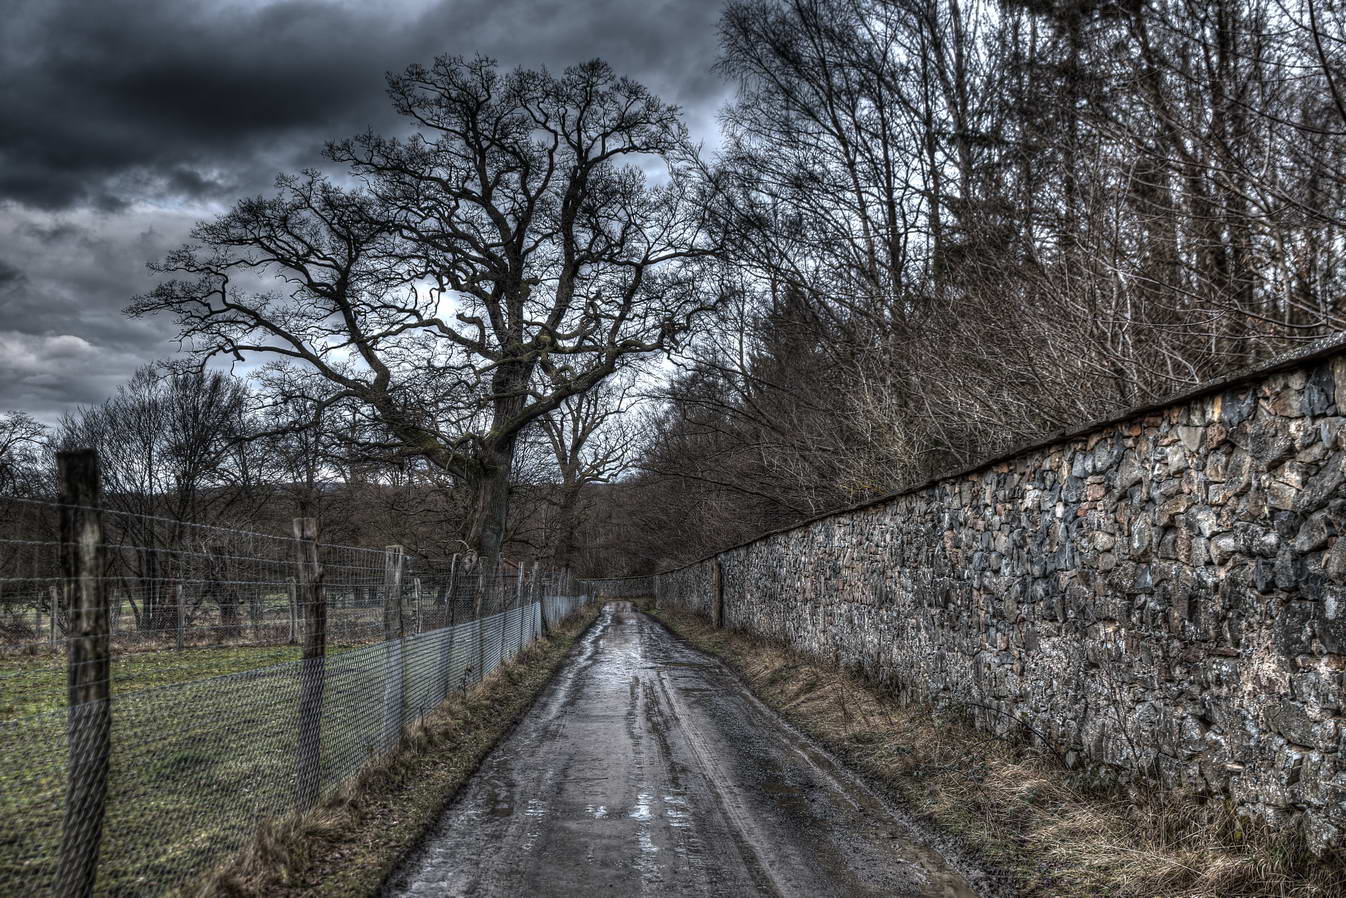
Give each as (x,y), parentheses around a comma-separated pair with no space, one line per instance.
(195,766)
(169,582)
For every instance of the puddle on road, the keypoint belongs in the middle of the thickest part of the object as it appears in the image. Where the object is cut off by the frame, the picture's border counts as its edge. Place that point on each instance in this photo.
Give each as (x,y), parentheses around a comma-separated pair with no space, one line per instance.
(677,811)
(611,742)
(642,809)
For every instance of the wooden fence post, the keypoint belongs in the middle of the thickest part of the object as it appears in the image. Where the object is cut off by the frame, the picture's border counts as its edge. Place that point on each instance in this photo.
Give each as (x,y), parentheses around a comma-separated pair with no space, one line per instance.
(89,724)
(393,632)
(182,614)
(312,669)
(446,645)
(544,625)
(532,590)
(53,602)
(416,595)
(485,589)
(504,612)
(294,617)
(524,595)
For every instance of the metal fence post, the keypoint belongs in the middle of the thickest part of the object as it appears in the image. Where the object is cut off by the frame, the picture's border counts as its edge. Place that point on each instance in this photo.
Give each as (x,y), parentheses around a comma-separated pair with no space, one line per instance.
(393,632)
(52,605)
(89,724)
(312,673)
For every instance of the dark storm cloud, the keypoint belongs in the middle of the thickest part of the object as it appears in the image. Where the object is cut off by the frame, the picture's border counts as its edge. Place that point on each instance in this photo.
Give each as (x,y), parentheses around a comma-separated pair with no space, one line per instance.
(106,103)
(10,276)
(111,101)
(122,122)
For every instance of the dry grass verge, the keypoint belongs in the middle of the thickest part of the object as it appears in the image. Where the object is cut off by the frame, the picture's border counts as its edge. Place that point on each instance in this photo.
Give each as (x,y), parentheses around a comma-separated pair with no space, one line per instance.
(1016,807)
(349,844)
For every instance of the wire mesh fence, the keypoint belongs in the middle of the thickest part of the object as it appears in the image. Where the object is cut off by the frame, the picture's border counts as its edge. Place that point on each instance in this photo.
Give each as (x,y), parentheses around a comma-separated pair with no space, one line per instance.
(142,792)
(170,582)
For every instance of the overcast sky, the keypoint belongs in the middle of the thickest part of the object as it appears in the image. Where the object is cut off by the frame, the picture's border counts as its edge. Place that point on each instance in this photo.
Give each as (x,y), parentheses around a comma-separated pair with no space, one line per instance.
(122,122)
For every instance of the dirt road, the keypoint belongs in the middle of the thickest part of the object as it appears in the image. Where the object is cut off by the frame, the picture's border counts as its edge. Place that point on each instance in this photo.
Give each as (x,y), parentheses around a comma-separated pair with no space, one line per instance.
(647,769)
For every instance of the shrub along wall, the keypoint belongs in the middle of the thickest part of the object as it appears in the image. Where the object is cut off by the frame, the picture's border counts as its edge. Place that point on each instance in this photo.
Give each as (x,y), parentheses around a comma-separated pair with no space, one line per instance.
(1161,597)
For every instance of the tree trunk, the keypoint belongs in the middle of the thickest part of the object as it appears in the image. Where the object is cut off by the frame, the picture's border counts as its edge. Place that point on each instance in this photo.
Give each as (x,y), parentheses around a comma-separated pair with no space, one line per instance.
(563,555)
(495,468)
(222,592)
(491,486)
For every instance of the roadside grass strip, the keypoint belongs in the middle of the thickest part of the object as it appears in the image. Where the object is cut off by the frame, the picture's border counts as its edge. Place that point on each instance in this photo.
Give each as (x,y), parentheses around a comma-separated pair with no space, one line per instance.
(197,765)
(353,840)
(1045,828)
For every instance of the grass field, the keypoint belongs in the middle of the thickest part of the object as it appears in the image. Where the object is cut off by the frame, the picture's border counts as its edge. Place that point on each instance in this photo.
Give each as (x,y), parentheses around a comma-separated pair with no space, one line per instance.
(32,684)
(197,763)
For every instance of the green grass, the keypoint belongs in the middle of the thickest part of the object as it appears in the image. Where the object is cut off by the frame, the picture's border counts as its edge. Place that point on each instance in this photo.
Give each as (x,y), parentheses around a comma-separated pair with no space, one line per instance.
(196,763)
(32,684)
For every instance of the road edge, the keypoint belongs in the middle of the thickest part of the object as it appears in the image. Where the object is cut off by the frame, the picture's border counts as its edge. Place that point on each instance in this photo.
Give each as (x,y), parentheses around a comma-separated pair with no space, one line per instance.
(357,838)
(981,875)
(1086,847)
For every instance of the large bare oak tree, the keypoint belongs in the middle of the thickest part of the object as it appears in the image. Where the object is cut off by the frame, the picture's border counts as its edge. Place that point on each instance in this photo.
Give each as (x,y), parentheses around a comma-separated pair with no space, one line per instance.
(505,256)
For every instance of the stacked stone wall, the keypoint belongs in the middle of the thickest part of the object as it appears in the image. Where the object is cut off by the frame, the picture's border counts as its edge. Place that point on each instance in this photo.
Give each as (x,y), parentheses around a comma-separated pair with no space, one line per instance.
(1162,598)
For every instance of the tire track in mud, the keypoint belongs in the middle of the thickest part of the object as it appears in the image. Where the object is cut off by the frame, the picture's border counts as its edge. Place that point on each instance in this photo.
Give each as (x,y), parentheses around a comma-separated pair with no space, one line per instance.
(646,768)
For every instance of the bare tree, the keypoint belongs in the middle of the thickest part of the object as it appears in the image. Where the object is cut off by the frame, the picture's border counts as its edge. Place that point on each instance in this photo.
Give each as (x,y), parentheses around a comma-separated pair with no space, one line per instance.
(593,437)
(171,454)
(957,224)
(23,442)
(506,257)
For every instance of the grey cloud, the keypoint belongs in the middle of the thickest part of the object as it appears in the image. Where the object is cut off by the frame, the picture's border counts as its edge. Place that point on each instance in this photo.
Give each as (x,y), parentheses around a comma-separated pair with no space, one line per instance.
(112,102)
(126,121)
(10,276)
(64,279)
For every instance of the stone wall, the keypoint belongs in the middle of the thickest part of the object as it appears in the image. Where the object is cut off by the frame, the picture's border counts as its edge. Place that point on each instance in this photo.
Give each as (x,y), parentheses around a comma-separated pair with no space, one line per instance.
(1160,597)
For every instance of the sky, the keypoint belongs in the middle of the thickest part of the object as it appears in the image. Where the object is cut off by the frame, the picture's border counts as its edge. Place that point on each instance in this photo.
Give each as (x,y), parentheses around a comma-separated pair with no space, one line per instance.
(123,122)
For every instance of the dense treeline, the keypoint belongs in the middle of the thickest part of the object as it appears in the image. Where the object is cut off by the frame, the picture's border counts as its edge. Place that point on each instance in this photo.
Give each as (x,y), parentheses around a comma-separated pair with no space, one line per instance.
(959,224)
(542,326)
(180,449)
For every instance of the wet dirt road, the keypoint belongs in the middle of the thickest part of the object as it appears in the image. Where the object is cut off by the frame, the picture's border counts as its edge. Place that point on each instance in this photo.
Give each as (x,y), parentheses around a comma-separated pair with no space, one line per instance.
(646,768)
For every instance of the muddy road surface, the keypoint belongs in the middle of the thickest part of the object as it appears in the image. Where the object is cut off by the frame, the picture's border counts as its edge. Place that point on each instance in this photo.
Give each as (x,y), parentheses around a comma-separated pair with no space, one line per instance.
(646,768)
